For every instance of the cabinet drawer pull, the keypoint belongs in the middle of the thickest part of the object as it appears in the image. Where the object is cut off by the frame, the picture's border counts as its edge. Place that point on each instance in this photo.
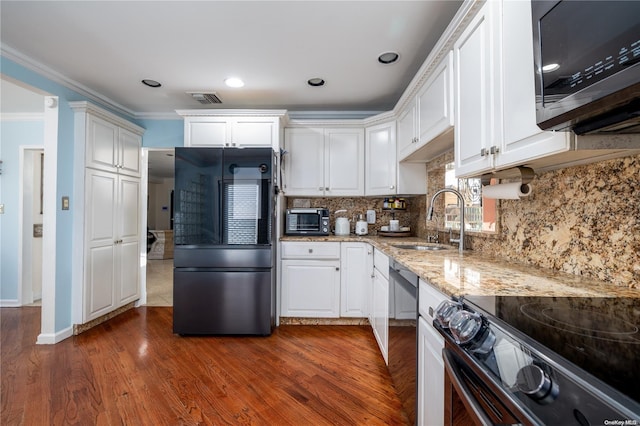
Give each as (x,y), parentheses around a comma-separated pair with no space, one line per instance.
(483,152)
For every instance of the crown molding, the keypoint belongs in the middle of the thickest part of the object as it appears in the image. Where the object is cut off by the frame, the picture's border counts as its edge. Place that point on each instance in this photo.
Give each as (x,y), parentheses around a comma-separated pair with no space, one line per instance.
(56,77)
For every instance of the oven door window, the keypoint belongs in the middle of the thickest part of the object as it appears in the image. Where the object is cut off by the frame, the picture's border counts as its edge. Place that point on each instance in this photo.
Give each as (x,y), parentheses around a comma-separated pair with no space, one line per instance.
(306,222)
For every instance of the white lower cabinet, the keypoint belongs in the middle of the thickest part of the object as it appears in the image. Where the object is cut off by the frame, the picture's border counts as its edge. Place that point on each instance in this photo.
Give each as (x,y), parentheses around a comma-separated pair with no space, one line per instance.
(380,302)
(355,279)
(430,363)
(310,288)
(430,375)
(310,280)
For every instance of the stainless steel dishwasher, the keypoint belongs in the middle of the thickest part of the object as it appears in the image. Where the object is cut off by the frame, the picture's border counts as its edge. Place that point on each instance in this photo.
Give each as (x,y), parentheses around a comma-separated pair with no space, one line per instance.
(403,338)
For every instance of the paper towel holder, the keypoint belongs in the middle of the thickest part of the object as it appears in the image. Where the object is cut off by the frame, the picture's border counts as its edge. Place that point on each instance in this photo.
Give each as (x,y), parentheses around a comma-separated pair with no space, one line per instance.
(526,175)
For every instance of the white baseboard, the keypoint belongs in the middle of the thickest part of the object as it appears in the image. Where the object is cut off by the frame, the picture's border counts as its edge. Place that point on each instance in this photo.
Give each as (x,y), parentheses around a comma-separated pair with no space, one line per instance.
(53,338)
(9,303)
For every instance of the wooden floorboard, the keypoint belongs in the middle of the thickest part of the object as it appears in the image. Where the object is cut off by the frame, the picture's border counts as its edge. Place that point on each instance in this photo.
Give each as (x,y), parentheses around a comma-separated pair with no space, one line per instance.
(132,370)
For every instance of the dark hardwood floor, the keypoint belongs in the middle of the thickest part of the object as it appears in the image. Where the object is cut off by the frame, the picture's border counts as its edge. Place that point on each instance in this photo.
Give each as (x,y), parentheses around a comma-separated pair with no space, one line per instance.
(132,370)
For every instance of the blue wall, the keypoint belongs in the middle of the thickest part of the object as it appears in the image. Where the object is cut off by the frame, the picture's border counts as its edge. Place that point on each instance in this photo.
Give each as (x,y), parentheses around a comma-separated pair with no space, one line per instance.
(161,133)
(13,135)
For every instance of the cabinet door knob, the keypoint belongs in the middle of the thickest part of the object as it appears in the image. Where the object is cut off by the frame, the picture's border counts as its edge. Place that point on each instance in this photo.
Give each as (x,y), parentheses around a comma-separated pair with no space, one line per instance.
(337,269)
(483,152)
(495,149)
(392,186)
(321,189)
(326,188)
(310,250)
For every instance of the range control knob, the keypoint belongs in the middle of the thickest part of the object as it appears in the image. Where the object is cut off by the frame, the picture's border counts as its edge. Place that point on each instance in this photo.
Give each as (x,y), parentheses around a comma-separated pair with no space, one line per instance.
(537,384)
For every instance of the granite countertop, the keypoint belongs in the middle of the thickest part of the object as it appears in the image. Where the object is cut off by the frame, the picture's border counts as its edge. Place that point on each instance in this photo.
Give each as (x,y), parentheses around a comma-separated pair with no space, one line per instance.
(470,273)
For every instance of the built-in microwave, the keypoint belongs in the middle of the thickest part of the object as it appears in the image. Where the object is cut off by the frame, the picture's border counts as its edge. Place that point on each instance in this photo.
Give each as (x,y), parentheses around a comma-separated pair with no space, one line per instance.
(587,65)
(312,221)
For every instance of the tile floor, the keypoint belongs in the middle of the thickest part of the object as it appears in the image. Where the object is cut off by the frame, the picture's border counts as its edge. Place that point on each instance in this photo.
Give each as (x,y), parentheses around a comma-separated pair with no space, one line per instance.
(160,282)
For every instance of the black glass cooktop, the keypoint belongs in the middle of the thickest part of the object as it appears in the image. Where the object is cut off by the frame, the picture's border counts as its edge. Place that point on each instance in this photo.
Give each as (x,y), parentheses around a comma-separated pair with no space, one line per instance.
(599,335)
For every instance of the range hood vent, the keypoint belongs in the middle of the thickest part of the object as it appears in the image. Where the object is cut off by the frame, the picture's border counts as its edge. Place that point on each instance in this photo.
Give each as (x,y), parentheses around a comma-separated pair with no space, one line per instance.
(205,98)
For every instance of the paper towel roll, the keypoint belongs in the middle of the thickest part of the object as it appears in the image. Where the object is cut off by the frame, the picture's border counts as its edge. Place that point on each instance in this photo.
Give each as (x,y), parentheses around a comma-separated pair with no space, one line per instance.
(507,191)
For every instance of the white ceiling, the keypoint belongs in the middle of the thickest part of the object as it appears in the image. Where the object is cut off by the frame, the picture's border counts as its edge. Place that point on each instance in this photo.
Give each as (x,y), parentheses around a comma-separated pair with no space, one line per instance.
(107,47)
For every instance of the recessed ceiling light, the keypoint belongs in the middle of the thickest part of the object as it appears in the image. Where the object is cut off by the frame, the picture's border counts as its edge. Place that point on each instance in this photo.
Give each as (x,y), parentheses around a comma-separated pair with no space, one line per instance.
(234,82)
(388,58)
(151,83)
(315,82)
(550,67)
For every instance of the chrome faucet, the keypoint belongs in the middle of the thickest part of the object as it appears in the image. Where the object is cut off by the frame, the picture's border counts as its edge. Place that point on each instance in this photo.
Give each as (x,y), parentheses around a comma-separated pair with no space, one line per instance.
(460,240)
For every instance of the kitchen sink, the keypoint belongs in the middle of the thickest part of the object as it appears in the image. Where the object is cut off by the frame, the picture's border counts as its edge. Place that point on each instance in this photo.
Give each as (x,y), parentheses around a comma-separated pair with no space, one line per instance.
(419,247)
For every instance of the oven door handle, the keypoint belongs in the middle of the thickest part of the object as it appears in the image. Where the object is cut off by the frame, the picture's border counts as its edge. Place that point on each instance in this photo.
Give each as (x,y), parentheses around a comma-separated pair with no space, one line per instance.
(463,391)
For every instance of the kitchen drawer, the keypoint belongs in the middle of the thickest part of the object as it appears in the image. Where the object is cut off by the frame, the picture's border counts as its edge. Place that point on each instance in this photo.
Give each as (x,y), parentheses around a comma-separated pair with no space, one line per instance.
(381,262)
(310,250)
(429,300)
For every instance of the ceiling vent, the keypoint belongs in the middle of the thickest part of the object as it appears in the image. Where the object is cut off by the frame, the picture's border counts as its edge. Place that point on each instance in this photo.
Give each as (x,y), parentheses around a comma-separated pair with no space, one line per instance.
(205,98)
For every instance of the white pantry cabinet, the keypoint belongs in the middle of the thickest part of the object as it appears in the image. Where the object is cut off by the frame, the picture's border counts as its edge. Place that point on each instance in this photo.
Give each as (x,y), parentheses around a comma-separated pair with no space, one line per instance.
(112,148)
(495,117)
(107,250)
(324,161)
(310,279)
(383,174)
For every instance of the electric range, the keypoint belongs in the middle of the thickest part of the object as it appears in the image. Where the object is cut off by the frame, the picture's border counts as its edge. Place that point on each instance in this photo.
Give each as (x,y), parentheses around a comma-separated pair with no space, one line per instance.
(560,360)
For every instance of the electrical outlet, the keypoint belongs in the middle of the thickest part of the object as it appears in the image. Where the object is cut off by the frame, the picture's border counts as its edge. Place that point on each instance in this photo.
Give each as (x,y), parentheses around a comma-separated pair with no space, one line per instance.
(65,203)
(371,216)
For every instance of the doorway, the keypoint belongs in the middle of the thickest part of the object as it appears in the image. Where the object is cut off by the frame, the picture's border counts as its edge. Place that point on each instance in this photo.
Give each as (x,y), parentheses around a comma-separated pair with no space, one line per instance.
(159,227)
(32,194)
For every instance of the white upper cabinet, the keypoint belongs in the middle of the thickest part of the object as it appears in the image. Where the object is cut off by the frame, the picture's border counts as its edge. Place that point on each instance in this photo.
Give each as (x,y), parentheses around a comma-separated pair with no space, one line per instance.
(495,117)
(380,164)
(407,130)
(232,128)
(324,161)
(383,174)
(112,148)
(435,102)
(424,127)
(522,139)
(477,107)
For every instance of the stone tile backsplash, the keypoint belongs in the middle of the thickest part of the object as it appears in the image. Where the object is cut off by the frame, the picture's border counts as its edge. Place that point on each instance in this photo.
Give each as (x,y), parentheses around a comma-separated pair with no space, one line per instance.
(583,220)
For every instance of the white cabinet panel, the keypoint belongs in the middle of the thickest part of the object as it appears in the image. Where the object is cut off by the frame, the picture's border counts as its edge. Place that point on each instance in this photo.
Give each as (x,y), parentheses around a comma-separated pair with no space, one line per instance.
(324,162)
(430,375)
(310,288)
(476,113)
(304,162)
(344,162)
(380,312)
(355,280)
(435,102)
(111,148)
(407,131)
(221,131)
(380,165)
(310,250)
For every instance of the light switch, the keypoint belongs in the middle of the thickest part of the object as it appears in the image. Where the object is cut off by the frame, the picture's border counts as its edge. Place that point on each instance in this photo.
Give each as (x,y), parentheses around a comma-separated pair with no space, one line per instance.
(65,203)
(1,208)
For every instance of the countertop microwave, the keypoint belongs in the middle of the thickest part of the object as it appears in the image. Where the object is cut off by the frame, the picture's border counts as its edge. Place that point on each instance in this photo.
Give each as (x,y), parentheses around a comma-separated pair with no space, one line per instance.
(587,65)
(311,221)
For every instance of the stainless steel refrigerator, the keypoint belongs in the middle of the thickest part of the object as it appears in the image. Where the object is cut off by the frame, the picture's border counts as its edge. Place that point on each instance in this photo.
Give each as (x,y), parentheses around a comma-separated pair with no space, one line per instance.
(224,207)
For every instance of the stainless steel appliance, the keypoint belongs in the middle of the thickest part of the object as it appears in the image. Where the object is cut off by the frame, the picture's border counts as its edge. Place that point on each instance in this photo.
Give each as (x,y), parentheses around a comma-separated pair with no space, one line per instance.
(403,337)
(224,280)
(541,360)
(587,65)
(311,221)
